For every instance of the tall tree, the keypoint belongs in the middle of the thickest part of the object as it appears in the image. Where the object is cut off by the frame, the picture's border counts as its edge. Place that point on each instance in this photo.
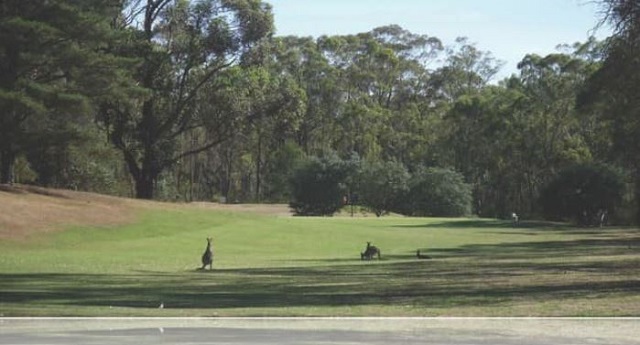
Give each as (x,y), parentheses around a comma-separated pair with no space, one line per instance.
(303,60)
(509,139)
(613,90)
(184,46)
(52,62)
(381,79)
(467,69)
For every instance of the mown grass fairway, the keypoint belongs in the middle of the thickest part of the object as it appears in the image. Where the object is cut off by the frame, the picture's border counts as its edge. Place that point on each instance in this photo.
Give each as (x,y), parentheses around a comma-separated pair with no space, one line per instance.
(267,265)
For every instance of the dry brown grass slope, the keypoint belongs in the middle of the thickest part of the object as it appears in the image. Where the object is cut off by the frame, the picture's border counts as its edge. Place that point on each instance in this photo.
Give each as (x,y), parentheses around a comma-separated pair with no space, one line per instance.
(28,210)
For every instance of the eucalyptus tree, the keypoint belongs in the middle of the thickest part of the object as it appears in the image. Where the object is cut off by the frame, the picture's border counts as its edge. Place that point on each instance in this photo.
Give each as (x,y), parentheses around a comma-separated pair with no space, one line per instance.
(466,70)
(613,90)
(365,93)
(509,139)
(382,77)
(475,136)
(303,60)
(409,135)
(552,83)
(456,105)
(183,46)
(273,104)
(53,62)
(470,111)
(552,133)
(261,109)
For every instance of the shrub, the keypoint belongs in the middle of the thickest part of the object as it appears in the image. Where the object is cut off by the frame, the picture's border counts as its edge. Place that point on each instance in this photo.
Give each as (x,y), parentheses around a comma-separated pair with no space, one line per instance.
(317,186)
(381,185)
(582,192)
(437,192)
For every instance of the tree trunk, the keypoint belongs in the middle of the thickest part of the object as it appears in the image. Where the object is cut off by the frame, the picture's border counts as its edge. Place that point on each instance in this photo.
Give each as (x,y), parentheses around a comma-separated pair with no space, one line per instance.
(144,177)
(7,159)
(145,185)
(637,197)
(259,167)
(226,188)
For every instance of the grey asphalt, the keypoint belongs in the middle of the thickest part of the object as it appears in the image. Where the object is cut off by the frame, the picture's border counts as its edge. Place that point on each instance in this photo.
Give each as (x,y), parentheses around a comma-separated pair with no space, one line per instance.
(370,331)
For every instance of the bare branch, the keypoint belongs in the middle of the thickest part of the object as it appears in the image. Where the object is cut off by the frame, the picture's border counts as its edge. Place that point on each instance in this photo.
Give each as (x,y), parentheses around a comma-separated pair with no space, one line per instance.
(202,148)
(180,106)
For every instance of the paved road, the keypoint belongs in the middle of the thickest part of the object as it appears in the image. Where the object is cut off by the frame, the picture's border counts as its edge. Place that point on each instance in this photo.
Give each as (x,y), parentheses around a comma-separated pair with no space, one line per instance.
(368,331)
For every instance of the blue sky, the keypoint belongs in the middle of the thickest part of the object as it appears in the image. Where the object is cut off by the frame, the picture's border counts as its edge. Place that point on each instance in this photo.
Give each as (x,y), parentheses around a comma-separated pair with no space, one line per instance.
(509,29)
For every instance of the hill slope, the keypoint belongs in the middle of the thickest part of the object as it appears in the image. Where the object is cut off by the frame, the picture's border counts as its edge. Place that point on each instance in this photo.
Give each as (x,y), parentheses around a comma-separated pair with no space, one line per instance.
(29,210)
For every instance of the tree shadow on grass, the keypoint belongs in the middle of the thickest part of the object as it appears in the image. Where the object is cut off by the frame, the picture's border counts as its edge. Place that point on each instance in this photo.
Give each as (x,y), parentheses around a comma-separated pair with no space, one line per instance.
(604,246)
(468,276)
(357,259)
(312,288)
(489,223)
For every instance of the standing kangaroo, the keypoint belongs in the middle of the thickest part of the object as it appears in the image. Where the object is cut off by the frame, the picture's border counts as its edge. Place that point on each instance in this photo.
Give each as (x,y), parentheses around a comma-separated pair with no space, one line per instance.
(207,257)
(370,252)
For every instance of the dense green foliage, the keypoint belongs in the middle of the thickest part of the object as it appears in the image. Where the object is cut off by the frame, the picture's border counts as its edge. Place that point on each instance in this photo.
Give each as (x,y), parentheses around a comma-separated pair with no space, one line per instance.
(585,194)
(612,92)
(321,186)
(436,192)
(318,186)
(186,51)
(381,186)
(53,63)
(196,100)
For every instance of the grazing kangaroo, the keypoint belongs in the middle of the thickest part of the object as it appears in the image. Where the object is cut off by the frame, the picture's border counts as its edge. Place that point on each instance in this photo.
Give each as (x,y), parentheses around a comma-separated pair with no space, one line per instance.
(207,257)
(370,252)
(422,256)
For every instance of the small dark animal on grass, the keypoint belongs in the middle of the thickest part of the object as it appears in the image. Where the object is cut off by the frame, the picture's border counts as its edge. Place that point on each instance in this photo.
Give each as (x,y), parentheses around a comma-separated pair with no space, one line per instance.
(422,256)
(207,257)
(370,252)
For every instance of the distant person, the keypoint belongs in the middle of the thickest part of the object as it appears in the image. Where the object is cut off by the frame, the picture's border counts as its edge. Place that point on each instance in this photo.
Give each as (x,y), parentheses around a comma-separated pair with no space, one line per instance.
(514,219)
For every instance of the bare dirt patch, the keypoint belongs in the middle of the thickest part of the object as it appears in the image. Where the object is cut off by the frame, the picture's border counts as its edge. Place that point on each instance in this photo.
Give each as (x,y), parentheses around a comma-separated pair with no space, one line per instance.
(29,210)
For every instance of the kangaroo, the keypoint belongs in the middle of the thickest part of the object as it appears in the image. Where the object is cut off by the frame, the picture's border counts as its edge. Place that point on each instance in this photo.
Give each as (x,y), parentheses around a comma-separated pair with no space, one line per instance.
(370,252)
(515,220)
(422,256)
(207,257)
